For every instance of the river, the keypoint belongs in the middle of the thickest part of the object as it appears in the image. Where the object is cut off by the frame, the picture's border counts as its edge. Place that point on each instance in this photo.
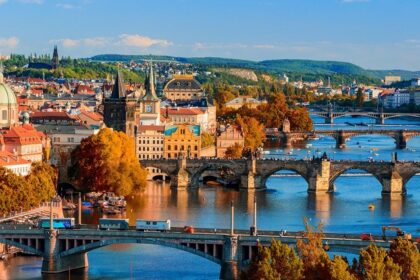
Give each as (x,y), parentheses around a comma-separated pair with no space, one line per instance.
(282,206)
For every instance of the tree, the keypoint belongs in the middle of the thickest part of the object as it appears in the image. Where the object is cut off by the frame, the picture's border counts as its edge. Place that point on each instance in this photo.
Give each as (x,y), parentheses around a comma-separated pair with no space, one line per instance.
(405,253)
(340,269)
(376,264)
(279,261)
(315,260)
(107,162)
(234,151)
(253,131)
(207,139)
(360,97)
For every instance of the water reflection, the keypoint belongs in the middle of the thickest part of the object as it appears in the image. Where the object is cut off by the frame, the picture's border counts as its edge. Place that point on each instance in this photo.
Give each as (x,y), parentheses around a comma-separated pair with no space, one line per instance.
(321,204)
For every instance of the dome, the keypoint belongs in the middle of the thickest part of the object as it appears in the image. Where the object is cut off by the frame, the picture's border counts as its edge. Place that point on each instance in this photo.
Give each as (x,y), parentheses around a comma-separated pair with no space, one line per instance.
(7,96)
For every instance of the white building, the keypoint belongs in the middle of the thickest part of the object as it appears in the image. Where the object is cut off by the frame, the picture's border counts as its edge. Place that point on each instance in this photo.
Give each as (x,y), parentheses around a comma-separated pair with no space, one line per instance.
(396,99)
(415,82)
(15,163)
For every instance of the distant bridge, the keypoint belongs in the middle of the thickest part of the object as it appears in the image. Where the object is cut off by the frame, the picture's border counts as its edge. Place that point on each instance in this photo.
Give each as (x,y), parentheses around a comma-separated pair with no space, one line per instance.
(66,249)
(401,137)
(380,117)
(320,174)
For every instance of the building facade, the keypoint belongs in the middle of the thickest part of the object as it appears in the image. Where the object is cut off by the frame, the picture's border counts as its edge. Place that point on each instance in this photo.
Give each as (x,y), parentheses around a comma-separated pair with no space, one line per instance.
(226,137)
(8,104)
(149,103)
(182,140)
(23,141)
(150,141)
(183,87)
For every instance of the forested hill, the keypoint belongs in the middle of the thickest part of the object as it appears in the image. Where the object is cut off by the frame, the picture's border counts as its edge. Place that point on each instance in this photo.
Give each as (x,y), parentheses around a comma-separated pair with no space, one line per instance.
(292,67)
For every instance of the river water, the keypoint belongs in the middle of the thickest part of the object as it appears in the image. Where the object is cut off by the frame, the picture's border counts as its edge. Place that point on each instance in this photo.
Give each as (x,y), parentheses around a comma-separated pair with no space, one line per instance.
(282,206)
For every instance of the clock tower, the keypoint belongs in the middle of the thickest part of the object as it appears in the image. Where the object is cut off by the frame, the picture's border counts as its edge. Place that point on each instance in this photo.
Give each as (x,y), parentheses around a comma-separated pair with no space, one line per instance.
(150,103)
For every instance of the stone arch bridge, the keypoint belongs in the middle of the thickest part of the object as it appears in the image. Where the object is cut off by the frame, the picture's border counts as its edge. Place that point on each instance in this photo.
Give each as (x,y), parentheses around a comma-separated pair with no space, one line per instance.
(66,249)
(319,173)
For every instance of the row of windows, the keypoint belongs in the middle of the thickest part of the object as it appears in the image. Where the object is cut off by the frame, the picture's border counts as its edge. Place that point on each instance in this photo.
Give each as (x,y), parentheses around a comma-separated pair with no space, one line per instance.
(58,139)
(142,156)
(154,149)
(150,141)
(182,148)
(175,155)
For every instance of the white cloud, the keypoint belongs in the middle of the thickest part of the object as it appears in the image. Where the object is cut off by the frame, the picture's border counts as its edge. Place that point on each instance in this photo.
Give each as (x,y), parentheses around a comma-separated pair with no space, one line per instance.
(67,42)
(10,42)
(135,40)
(2,2)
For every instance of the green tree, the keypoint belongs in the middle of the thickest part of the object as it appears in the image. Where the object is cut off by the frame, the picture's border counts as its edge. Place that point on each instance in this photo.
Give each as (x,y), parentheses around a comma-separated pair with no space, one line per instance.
(405,253)
(107,162)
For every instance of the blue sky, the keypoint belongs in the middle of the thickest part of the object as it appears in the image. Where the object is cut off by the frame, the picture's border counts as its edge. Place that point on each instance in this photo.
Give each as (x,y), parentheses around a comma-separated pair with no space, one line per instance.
(375,34)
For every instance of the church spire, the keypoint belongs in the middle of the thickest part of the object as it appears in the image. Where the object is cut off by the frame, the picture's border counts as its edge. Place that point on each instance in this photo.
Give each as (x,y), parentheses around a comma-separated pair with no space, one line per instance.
(149,84)
(55,59)
(118,91)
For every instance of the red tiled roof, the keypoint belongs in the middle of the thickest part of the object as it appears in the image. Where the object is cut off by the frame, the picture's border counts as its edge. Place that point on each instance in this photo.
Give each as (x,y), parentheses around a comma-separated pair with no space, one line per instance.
(93,115)
(22,135)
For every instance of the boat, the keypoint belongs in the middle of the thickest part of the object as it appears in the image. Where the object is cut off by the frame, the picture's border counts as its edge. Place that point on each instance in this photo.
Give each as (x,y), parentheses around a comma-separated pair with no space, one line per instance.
(87,204)
(371,207)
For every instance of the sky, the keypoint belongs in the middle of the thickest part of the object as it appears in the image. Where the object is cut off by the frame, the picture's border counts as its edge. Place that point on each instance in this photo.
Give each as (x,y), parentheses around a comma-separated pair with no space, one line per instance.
(374,34)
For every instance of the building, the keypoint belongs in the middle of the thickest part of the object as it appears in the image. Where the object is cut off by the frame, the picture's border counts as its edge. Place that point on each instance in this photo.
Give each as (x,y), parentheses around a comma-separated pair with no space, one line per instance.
(120,109)
(185,115)
(182,140)
(23,141)
(240,101)
(149,103)
(91,119)
(415,82)
(415,97)
(64,139)
(8,104)
(183,87)
(226,137)
(14,163)
(150,141)
(388,80)
(395,99)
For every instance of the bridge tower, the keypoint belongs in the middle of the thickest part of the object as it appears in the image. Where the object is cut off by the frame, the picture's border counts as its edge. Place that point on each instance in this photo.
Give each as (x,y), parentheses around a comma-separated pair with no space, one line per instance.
(52,262)
(181,179)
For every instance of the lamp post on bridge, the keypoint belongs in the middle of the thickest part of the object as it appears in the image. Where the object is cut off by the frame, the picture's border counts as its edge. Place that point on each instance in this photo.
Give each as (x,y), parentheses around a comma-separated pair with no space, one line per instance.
(232,218)
(253,229)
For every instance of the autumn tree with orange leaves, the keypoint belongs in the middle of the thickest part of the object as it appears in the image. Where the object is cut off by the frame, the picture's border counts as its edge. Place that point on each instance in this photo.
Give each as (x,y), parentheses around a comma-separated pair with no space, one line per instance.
(107,162)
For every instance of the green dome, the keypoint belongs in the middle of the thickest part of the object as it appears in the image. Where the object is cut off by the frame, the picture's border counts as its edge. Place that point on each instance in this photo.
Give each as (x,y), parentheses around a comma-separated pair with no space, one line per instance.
(7,96)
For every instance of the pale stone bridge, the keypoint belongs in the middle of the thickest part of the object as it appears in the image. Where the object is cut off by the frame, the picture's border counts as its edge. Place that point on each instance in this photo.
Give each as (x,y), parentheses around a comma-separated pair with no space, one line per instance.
(320,174)
(64,250)
(341,136)
(380,117)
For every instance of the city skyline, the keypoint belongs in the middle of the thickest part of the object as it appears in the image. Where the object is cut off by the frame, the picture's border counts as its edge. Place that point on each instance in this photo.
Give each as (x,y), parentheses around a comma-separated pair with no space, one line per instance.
(365,32)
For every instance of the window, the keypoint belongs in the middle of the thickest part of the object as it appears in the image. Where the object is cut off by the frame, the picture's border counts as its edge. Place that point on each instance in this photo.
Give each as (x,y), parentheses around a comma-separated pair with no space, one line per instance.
(195,148)
(70,140)
(4,114)
(176,147)
(169,147)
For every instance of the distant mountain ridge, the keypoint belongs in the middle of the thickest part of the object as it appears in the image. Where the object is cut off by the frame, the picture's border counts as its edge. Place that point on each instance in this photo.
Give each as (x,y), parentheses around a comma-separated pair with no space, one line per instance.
(278,66)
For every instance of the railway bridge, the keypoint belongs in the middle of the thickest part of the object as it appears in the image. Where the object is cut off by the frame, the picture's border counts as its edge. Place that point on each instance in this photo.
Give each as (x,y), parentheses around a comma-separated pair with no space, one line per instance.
(319,173)
(66,249)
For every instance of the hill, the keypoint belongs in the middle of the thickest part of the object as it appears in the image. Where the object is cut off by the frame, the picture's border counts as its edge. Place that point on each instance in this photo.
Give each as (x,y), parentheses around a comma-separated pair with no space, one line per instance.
(295,68)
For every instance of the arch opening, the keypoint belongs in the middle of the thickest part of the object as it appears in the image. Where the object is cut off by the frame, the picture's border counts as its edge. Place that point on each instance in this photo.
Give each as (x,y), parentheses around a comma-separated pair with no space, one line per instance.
(371,141)
(216,176)
(286,181)
(356,182)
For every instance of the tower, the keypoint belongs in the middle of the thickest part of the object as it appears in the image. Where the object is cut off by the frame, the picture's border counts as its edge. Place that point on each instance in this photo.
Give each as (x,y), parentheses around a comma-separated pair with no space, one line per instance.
(120,109)
(150,103)
(55,60)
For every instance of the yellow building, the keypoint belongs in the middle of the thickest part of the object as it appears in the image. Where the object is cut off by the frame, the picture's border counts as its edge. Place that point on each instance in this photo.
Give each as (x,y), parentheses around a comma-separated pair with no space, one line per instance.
(182,139)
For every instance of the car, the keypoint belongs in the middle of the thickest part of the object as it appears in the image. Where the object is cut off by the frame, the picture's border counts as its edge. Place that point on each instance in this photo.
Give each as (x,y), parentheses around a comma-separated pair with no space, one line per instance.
(188,229)
(366,236)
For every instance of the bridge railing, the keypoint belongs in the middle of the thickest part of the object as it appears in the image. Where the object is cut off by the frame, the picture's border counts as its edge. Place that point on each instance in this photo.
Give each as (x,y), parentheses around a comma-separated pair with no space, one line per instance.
(33,210)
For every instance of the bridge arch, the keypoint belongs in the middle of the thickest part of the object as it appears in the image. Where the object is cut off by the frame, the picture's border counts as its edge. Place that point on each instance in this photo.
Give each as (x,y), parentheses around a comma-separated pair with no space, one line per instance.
(213,170)
(399,116)
(283,169)
(152,241)
(23,247)
(354,114)
(336,175)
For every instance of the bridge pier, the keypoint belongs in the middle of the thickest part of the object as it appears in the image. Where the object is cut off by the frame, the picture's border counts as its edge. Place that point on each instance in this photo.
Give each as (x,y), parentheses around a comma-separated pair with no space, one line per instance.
(401,140)
(380,119)
(393,185)
(320,182)
(251,180)
(181,179)
(286,140)
(229,264)
(52,262)
(340,140)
